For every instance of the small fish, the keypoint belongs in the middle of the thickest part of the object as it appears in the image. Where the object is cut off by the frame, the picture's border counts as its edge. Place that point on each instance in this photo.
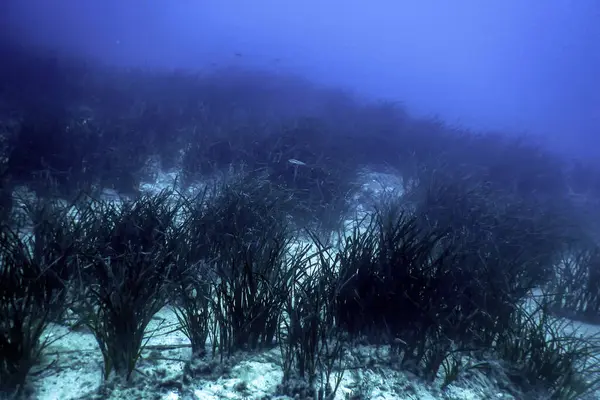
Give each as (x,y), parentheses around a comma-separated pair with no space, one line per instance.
(296,162)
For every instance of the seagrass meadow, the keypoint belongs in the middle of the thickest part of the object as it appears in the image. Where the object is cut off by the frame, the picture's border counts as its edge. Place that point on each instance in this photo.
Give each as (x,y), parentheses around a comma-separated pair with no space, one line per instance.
(241,234)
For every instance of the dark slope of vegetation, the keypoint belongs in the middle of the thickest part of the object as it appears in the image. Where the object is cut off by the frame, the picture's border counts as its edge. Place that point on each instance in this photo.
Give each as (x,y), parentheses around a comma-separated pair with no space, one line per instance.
(442,272)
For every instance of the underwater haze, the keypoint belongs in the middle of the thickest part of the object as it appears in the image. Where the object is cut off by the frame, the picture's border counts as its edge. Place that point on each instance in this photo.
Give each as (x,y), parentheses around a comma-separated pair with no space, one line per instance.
(516,66)
(285,200)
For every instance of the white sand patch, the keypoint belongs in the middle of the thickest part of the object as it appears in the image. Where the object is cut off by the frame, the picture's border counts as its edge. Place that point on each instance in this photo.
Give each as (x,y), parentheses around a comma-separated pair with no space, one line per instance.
(76,365)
